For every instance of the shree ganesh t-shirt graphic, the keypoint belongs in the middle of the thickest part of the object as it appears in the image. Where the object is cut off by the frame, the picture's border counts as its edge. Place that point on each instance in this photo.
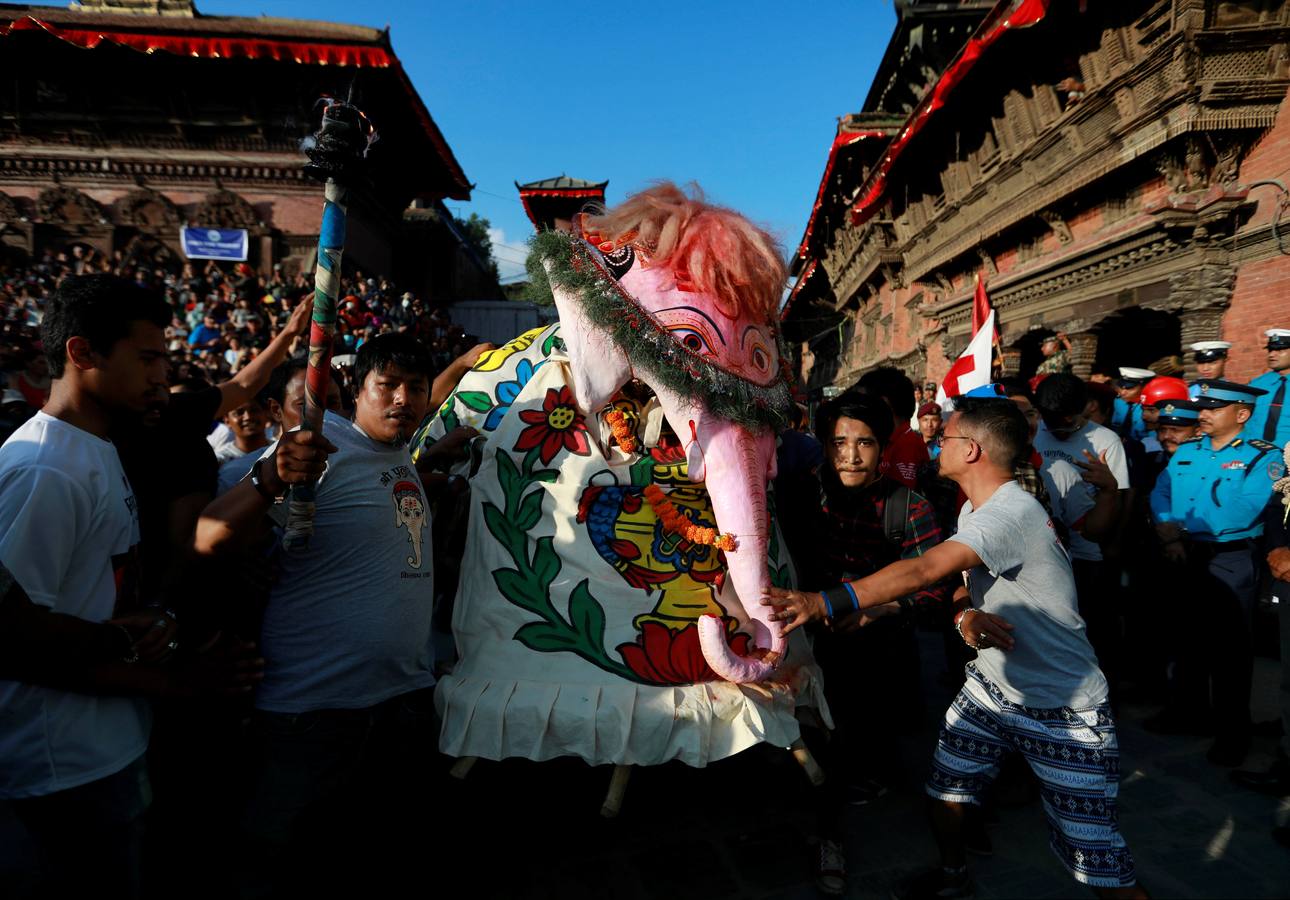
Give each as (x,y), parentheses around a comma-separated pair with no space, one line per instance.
(410,513)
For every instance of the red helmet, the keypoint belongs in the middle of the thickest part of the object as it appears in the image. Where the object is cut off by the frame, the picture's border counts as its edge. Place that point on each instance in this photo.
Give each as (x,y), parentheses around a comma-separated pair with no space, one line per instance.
(1158,390)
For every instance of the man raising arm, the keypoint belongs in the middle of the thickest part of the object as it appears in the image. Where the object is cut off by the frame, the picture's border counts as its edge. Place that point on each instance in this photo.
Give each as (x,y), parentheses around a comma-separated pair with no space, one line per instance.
(1049,687)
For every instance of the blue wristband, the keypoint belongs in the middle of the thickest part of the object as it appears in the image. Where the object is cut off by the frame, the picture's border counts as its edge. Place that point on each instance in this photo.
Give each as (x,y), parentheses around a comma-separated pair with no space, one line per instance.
(827,605)
(851,592)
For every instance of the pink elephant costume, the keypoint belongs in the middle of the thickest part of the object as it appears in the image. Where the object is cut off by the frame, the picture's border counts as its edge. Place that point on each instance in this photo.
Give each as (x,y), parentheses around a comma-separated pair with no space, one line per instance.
(621,531)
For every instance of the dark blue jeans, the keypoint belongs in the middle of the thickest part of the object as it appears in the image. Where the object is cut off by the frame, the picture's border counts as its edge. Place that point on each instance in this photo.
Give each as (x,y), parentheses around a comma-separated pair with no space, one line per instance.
(326,783)
(89,837)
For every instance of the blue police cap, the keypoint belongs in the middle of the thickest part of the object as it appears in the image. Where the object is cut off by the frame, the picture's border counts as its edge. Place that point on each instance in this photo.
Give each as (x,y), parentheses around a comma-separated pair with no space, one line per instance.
(1214,393)
(1175,412)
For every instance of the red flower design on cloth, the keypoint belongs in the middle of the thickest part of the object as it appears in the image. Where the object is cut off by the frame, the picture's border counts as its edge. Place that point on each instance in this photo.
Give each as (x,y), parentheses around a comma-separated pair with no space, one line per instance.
(557,426)
(663,656)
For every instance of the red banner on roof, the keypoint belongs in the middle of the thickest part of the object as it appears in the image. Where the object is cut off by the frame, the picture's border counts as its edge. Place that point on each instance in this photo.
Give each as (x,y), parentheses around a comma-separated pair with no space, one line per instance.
(1025,13)
(842,140)
(215,47)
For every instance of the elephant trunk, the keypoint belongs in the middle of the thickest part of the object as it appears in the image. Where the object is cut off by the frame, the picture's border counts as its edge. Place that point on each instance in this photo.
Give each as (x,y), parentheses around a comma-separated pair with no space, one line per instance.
(735,464)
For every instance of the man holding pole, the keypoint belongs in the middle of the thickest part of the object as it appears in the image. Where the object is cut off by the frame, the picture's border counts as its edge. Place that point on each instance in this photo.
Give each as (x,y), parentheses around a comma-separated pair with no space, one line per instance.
(346,633)
(1035,687)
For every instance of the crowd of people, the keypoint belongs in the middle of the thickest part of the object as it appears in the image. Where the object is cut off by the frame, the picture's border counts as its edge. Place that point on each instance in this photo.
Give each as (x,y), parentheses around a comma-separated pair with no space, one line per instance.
(222,318)
(134,398)
(155,429)
(1170,502)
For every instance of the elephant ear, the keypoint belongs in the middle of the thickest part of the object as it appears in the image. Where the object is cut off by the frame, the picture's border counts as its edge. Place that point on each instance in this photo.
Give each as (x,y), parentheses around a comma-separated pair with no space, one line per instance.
(597,366)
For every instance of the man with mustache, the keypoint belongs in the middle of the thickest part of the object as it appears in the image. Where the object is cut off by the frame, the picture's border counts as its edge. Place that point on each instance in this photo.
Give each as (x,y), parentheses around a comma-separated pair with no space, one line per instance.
(349,671)
(1208,507)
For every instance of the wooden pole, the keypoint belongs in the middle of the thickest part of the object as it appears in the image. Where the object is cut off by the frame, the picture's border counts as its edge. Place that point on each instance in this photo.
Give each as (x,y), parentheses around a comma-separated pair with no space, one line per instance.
(807,762)
(617,787)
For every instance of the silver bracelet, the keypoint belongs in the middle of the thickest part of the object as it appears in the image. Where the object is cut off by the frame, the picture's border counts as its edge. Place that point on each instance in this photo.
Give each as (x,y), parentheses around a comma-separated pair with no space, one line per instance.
(958,626)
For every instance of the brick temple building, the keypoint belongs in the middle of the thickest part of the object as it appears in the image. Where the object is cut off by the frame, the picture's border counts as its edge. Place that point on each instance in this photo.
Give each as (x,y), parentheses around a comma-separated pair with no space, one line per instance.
(1113,170)
(123,120)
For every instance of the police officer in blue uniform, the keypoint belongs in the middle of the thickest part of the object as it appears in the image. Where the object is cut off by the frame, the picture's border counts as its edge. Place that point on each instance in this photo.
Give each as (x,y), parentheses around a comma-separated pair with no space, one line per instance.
(1208,506)
(1271,419)
(1210,358)
(1126,417)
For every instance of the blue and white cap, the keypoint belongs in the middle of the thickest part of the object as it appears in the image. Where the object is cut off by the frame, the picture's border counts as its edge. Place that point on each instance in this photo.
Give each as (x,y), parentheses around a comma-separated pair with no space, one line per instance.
(1131,375)
(1214,393)
(1175,412)
(1209,351)
(1278,338)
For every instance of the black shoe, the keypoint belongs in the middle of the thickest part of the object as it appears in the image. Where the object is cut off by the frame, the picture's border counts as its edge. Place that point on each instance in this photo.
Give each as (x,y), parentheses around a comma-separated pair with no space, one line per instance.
(1229,751)
(937,882)
(865,791)
(1275,782)
(831,871)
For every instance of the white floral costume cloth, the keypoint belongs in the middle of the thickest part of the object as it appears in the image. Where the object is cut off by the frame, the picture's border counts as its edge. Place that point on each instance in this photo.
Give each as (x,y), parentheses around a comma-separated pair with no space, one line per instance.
(575,615)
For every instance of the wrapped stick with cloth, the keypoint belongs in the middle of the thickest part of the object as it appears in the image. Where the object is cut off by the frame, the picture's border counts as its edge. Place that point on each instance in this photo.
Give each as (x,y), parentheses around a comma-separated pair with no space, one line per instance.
(335,154)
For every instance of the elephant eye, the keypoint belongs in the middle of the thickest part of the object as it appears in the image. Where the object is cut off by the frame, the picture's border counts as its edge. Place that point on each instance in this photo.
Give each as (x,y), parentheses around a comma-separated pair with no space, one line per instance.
(691,339)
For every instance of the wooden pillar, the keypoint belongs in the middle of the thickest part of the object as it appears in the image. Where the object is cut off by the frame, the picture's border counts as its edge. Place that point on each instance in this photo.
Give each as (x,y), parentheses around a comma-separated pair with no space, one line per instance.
(1083,353)
(1202,324)
(266,254)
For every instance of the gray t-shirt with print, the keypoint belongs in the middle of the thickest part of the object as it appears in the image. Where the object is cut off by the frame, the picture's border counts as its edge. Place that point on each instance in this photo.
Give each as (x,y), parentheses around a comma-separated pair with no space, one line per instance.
(348,621)
(1025,577)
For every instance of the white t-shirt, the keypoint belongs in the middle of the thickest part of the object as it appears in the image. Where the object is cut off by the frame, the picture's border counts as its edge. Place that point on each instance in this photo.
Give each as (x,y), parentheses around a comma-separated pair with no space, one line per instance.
(1071,501)
(220,436)
(68,528)
(225,452)
(1092,437)
(1025,577)
(348,620)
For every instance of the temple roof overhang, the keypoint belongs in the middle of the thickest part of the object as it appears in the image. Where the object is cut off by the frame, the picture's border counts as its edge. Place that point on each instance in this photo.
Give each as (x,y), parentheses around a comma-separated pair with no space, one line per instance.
(264,38)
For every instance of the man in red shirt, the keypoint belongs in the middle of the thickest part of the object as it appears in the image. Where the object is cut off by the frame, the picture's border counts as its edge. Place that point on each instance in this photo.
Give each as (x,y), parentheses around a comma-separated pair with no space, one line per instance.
(906,453)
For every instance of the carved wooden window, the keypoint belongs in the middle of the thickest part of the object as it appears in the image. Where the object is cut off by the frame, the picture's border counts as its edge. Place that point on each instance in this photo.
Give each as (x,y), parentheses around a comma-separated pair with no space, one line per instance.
(1017,121)
(987,156)
(1046,104)
(1092,68)
(913,321)
(1115,53)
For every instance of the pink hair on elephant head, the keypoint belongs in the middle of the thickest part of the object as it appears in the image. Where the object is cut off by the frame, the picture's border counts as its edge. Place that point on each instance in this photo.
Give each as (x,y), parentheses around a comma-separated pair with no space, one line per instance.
(712,280)
(710,250)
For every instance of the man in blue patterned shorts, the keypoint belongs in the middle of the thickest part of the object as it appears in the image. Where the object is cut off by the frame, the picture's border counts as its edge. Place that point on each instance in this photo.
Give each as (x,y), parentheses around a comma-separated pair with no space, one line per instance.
(1035,687)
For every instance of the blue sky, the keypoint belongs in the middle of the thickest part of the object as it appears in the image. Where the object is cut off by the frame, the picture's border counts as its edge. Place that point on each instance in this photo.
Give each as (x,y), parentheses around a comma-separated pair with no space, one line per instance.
(741,97)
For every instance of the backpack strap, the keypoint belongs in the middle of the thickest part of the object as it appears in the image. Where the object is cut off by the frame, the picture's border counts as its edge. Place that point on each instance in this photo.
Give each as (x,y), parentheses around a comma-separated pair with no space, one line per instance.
(895,515)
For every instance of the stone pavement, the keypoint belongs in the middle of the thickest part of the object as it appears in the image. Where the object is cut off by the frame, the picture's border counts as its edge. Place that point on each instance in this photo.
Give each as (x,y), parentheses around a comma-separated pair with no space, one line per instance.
(741,828)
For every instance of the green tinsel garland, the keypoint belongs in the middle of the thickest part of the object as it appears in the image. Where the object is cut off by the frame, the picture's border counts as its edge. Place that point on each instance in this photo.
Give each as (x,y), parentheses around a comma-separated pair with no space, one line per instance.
(647,344)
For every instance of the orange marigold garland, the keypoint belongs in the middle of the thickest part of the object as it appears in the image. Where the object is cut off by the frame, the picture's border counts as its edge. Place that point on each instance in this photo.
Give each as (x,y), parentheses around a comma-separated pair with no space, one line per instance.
(623,433)
(677,522)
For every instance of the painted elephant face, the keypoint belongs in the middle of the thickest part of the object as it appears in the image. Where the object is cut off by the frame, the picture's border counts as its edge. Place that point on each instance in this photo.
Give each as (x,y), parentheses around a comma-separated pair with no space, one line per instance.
(741,345)
(681,296)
